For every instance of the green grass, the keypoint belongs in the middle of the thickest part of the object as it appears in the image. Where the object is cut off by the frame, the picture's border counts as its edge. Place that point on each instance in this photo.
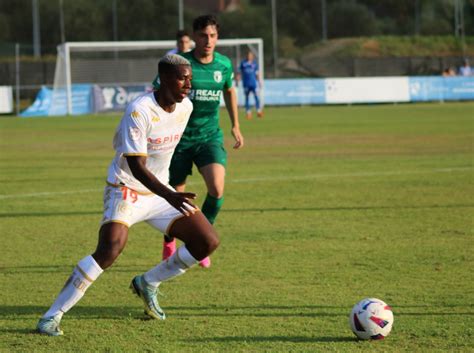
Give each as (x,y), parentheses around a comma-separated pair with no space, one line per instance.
(324,206)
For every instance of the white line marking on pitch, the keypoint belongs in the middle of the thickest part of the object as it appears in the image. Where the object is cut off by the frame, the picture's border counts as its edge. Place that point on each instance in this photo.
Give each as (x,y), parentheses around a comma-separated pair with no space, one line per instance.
(263,179)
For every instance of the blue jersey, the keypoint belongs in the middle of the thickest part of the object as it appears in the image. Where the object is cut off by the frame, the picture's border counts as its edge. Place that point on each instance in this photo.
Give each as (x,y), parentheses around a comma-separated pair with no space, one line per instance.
(248,70)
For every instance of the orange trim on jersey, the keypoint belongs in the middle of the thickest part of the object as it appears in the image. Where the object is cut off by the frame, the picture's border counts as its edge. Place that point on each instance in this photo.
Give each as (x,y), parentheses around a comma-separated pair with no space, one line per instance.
(116,221)
(135,154)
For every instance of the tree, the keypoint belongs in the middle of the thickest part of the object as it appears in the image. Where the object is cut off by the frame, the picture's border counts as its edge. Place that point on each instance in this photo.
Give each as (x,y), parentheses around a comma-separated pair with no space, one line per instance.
(347,18)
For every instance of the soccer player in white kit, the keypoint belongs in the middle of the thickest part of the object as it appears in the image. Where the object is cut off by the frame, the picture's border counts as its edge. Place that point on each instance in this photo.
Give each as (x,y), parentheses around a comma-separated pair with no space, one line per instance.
(137,190)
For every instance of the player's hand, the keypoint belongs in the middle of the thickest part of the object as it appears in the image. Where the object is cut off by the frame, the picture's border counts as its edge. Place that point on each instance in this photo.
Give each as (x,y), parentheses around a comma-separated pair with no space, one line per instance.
(239,139)
(182,202)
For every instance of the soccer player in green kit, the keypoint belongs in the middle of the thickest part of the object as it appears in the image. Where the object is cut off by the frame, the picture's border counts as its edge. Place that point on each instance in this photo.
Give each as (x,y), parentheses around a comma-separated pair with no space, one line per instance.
(202,141)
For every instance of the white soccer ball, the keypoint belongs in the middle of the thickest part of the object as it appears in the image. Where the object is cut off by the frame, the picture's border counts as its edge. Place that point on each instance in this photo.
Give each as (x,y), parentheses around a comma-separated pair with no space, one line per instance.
(371,319)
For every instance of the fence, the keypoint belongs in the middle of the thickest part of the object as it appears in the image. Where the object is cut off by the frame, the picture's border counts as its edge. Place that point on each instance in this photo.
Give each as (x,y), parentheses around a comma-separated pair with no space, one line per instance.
(41,72)
(33,75)
(88,98)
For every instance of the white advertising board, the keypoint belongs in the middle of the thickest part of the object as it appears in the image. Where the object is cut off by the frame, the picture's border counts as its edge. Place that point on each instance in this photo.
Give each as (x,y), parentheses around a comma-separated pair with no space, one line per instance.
(6,99)
(367,90)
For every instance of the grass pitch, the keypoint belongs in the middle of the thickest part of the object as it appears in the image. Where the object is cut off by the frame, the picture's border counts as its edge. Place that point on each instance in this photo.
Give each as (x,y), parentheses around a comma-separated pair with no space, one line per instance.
(324,206)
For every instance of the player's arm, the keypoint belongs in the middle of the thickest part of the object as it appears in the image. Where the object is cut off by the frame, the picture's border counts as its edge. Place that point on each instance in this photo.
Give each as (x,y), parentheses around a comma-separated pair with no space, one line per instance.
(260,82)
(179,200)
(230,99)
(257,75)
(237,79)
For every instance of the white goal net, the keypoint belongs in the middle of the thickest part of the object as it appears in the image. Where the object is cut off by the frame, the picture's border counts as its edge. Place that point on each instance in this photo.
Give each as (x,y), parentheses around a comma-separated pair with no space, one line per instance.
(127,63)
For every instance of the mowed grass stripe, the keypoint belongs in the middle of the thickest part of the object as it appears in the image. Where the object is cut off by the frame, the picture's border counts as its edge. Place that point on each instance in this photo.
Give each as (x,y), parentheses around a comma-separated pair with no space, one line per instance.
(274,178)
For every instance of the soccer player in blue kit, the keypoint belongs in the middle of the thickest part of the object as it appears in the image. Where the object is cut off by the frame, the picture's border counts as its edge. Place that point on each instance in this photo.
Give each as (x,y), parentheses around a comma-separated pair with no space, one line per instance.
(250,78)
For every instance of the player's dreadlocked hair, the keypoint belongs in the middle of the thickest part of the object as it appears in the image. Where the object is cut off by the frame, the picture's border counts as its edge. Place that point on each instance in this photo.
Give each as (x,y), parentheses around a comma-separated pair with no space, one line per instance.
(202,22)
(169,63)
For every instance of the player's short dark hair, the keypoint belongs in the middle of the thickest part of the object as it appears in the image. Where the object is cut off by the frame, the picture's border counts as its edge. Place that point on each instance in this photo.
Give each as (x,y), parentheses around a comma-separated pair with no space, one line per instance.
(202,22)
(182,33)
(170,62)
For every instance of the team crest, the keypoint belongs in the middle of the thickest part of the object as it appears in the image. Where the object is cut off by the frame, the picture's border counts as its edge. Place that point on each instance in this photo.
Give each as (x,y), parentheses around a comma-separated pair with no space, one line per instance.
(135,133)
(217,76)
(181,118)
(124,209)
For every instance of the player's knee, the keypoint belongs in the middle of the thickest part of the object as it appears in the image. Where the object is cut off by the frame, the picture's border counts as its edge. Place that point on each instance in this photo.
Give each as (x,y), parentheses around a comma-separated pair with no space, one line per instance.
(211,242)
(105,257)
(110,246)
(216,191)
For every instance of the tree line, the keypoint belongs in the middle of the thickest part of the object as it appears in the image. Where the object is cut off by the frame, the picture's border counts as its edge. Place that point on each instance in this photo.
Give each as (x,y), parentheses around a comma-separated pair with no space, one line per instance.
(298,21)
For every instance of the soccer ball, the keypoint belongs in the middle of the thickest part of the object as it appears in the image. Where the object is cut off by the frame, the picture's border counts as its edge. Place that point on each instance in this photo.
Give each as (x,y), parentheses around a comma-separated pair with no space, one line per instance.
(371,319)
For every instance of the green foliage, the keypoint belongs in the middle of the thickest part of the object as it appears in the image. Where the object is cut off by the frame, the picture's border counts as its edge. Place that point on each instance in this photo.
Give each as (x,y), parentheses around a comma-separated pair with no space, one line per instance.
(437,19)
(147,20)
(250,23)
(347,18)
(299,21)
(324,206)
(392,46)
(423,46)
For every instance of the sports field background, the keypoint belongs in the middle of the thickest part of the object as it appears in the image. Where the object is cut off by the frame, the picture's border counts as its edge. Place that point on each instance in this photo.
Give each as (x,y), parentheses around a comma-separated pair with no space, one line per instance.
(324,206)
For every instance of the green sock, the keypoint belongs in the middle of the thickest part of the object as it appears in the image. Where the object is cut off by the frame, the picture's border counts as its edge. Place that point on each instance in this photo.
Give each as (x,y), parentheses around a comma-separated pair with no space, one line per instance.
(211,207)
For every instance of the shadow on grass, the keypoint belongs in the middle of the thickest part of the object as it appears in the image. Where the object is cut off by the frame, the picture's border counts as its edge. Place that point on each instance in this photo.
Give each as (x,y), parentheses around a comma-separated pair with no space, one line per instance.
(245,210)
(256,339)
(345,208)
(49,214)
(22,331)
(228,339)
(68,268)
(261,311)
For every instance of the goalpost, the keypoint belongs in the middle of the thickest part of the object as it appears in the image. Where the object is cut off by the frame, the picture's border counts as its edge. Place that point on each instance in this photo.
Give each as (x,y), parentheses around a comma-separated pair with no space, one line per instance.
(128,62)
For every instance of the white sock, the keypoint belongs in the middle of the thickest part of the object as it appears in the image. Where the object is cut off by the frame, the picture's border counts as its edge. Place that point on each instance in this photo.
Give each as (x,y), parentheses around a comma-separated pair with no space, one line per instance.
(174,266)
(86,272)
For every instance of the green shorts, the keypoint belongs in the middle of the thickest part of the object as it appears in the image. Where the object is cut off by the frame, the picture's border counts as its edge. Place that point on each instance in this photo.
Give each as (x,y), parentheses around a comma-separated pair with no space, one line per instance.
(200,153)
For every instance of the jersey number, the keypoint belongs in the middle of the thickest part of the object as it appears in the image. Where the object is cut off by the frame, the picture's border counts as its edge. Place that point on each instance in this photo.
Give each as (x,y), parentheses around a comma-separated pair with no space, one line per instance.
(126,192)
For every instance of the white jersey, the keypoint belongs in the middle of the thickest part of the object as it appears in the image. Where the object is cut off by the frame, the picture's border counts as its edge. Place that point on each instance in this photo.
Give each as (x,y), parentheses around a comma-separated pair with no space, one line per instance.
(147,130)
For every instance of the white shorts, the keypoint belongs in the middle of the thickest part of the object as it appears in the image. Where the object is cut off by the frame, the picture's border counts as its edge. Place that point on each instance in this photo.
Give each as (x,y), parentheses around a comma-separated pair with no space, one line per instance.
(126,206)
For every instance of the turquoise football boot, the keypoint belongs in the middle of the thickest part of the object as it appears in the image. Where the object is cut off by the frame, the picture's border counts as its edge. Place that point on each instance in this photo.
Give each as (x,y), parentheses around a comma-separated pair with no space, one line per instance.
(49,326)
(148,295)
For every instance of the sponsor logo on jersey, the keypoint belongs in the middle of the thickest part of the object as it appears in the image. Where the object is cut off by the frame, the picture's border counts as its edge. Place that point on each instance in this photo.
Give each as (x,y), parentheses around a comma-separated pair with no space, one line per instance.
(135,133)
(161,141)
(217,76)
(155,119)
(135,114)
(205,95)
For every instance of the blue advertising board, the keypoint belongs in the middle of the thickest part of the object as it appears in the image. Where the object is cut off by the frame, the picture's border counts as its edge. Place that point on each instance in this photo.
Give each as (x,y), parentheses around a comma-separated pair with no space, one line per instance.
(459,88)
(426,88)
(40,106)
(88,99)
(109,98)
(50,102)
(293,92)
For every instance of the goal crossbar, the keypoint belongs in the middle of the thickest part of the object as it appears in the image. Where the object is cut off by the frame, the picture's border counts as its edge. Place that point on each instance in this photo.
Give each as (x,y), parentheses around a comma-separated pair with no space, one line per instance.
(65,49)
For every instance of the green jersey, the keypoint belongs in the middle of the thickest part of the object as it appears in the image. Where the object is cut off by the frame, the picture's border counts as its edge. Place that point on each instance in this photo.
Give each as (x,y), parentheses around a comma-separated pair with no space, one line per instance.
(209,80)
